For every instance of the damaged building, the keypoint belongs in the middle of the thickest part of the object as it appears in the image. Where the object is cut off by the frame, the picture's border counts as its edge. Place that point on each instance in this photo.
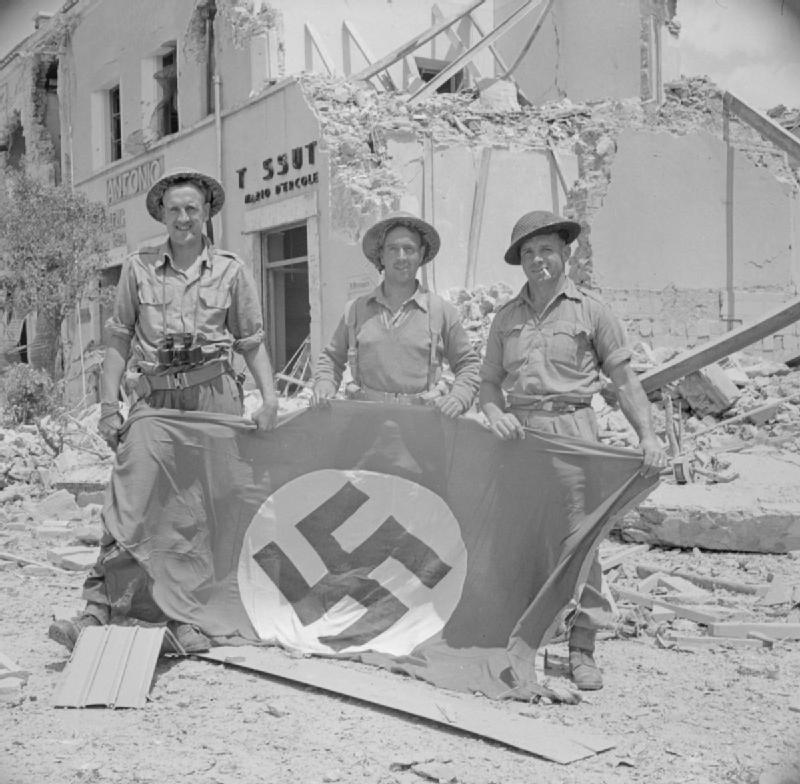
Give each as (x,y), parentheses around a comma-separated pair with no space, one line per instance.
(320,117)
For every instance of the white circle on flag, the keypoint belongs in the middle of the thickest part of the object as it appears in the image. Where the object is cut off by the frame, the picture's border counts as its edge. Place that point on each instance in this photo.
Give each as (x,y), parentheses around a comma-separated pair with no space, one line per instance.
(422,513)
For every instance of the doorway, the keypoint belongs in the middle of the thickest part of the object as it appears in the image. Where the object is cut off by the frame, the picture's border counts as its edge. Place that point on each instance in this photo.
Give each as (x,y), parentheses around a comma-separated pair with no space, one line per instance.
(285,300)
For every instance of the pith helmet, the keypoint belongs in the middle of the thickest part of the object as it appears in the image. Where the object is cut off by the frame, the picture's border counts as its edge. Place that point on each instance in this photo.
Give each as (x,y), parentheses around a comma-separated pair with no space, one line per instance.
(539,222)
(215,194)
(375,235)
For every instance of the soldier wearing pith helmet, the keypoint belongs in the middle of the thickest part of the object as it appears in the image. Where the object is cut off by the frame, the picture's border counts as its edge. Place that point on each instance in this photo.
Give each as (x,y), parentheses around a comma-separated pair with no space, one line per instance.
(545,353)
(395,338)
(183,307)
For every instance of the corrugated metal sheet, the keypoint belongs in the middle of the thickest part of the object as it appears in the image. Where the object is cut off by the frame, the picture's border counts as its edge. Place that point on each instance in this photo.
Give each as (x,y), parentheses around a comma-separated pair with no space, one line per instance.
(111,666)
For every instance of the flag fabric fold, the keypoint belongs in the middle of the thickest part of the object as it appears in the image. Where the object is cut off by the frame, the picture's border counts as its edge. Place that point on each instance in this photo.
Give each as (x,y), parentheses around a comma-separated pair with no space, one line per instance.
(383,532)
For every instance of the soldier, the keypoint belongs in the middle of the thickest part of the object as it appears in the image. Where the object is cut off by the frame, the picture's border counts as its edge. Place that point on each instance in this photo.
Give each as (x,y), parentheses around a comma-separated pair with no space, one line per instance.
(394,338)
(182,308)
(545,350)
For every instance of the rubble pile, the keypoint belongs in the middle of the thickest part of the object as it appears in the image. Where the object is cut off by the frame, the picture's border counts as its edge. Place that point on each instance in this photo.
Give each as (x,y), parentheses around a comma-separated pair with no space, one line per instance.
(358,122)
(477,308)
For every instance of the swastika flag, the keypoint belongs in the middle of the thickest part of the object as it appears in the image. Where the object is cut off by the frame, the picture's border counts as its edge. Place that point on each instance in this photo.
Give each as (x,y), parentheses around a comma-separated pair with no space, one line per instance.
(384,532)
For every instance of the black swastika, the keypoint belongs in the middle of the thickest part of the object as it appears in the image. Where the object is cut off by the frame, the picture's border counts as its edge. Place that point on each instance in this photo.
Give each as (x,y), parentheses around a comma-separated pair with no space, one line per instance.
(348,573)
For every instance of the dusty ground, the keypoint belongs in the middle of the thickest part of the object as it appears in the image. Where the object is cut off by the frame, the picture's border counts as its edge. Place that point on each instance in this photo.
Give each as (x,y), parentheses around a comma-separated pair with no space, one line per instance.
(719,715)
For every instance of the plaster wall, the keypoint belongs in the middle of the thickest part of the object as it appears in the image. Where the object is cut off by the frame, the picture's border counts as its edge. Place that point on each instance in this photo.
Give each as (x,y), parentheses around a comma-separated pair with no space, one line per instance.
(663,219)
(585,50)
(100,61)
(659,241)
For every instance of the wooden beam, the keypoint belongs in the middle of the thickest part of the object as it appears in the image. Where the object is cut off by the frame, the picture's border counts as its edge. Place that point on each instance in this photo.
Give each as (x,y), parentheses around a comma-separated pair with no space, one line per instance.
(476,220)
(775,631)
(712,583)
(709,642)
(475,717)
(415,42)
(538,26)
(349,33)
(456,41)
(735,340)
(682,612)
(459,62)
(313,41)
(766,126)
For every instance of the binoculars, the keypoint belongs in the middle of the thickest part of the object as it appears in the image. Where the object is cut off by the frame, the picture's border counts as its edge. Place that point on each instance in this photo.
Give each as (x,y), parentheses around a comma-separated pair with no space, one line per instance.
(179,349)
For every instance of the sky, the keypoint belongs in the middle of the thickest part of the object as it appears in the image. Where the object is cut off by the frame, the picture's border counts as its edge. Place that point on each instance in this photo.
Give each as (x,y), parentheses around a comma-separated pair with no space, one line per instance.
(750,47)
(16,19)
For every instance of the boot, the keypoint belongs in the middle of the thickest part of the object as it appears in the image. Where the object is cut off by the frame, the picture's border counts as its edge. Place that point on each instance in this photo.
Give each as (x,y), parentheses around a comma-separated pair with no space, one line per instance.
(584,672)
(183,638)
(66,632)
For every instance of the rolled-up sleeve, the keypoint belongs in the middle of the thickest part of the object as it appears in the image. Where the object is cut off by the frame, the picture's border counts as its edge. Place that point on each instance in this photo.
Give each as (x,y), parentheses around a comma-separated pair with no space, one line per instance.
(333,358)
(610,340)
(463,359)
(121,326)
(245,321)
(492,370)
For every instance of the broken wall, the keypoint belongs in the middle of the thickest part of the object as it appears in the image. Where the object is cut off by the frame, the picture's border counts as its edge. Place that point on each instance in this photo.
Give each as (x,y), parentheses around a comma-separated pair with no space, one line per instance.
(585,50)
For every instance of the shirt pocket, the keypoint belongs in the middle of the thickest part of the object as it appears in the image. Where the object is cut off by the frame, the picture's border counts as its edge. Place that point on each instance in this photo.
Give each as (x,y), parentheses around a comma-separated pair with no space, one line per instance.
(153,294)
(566,343)
(214,298)
(514,352)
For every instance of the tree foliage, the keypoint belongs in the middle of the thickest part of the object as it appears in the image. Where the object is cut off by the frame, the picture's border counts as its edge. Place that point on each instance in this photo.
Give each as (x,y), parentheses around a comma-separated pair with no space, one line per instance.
(53,242)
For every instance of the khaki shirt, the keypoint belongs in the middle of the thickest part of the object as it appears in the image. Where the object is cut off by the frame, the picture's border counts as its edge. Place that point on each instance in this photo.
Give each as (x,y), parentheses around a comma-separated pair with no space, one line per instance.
(215,300)
(557,356)
(394,348)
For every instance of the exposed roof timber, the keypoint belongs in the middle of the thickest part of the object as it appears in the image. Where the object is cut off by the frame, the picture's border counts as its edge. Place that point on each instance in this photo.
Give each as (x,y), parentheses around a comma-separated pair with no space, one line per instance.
(766,126)
(415,42)
(488,39)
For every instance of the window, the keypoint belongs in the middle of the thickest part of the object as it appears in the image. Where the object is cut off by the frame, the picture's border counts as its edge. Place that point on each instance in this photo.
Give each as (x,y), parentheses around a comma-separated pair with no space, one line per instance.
(167,78)
(429,67)
(114,124)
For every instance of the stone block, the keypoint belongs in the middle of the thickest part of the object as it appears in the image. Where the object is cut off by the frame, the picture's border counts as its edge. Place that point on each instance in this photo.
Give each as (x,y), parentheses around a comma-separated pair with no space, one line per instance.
(758,512)
(709,390)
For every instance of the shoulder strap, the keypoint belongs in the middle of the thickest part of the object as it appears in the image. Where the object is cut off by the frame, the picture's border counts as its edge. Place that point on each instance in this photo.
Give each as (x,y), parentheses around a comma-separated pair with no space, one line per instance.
(435,326)
(352,341)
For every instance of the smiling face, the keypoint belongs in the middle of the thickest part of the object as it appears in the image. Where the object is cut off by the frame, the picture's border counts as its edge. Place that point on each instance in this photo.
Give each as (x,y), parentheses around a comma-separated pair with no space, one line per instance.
(184,210)
(401,255)
(543,259)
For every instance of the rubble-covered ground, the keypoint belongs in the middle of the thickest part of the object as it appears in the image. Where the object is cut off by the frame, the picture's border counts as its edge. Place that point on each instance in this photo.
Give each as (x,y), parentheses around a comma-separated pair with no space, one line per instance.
(682,706)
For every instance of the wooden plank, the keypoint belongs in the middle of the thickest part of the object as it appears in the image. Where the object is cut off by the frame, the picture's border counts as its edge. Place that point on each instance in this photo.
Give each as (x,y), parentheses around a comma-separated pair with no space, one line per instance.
(776,631)
(729,223)
(456,41)
(313,41)
(555,743)
(415,42)
(349,33)
(619,556)
(766,126)
(710,642)
(735,340)
(712,583)
(476,220)
(459,62)
(30,562)
(682,612)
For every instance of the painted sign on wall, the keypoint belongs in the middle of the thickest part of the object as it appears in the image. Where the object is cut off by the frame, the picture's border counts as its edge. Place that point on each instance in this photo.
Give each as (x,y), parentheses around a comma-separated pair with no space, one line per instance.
(280,174)
(131,182)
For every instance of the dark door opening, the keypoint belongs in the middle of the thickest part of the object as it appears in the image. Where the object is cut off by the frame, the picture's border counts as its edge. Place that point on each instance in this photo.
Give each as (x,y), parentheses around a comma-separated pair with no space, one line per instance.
(285,300)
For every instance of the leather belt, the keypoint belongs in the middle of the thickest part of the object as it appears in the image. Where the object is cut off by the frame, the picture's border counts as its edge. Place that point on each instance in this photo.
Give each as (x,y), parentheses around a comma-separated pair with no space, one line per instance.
(551,406)
(377,396)
(182,379)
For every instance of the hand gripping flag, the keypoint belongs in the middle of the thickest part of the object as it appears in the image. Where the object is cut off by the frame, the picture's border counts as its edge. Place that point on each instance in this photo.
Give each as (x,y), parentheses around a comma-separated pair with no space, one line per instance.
(383,532)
